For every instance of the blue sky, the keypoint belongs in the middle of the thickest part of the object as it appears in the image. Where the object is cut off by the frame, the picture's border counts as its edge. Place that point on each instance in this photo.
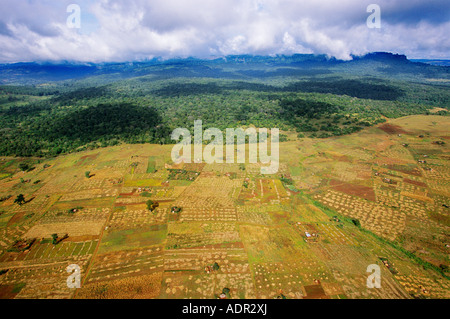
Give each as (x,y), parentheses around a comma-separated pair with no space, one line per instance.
(127,30)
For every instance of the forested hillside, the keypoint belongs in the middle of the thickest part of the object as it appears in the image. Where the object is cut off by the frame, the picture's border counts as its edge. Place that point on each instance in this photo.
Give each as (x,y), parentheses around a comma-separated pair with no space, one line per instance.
(49,109)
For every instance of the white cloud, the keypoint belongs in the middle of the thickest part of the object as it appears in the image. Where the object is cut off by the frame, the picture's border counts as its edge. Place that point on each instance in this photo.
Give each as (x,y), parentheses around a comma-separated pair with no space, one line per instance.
(138,29)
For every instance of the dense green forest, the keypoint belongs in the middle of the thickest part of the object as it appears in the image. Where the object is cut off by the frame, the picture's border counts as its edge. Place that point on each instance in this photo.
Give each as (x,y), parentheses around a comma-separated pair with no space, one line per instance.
(46,110)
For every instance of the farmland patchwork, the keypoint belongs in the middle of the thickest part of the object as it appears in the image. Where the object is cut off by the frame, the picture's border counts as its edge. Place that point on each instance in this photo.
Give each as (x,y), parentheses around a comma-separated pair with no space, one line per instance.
(141,225)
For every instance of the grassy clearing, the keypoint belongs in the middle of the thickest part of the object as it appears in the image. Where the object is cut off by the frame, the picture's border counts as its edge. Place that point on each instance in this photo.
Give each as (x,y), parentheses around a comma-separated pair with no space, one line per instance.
(116,240)
(151,168)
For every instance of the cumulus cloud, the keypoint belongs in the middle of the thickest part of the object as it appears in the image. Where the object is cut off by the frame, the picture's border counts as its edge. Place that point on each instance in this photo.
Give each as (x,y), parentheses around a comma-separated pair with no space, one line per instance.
(121,30)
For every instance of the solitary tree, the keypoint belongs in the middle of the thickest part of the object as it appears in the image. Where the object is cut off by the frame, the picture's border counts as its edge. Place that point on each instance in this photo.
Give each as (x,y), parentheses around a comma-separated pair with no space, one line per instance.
(55,239)
(20,200)
(151,205)
(226,292)
(87,174)
(24,166)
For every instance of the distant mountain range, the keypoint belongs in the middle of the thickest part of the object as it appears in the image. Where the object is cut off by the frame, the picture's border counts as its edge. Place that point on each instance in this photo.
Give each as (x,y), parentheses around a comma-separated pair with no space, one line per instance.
(433,62)
(242,67)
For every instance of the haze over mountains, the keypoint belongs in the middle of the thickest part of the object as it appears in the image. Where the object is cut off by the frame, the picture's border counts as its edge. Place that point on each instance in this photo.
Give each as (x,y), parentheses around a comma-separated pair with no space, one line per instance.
(301,64)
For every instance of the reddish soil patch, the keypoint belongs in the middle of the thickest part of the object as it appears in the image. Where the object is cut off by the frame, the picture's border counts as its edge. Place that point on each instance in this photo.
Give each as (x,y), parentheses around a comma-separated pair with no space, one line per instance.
(133,193)
(364,174)
(392,129)
(92,157)
(343,158)
(278,217)
(353,190)
(12,256)
(404,169)
(8,291)
(16,218)
(315,292)
(443,219)
(417,183)
(86,159)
